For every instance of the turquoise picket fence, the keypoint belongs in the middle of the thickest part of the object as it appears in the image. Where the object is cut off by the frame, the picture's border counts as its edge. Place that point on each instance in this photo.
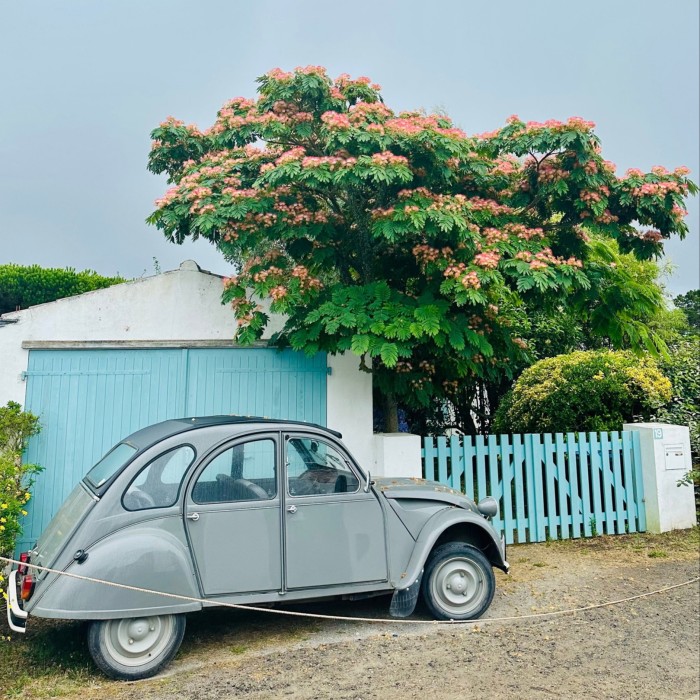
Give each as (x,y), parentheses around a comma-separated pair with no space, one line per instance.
(549,486)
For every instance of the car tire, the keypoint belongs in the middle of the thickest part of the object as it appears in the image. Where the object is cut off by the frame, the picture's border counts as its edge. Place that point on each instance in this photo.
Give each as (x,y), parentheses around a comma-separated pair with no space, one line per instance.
(134,648)
(458,582)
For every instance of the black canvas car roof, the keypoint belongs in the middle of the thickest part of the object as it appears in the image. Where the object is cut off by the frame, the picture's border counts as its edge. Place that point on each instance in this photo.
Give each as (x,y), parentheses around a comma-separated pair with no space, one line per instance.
(160,431)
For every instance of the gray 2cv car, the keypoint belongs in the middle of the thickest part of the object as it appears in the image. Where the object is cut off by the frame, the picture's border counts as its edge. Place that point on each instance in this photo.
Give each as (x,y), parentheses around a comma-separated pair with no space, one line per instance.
(239,510)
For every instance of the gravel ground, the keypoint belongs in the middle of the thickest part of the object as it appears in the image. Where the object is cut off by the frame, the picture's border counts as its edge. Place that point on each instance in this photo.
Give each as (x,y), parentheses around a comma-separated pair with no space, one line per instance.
(647,648)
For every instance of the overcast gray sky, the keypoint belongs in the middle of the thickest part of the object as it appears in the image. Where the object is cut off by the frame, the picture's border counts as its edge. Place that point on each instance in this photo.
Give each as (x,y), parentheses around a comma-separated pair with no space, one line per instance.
(83,82)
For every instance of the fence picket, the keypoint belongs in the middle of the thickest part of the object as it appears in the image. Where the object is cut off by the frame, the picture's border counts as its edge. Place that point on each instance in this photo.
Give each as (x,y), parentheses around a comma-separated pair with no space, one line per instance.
(607,483)
(442,459)
(574,472)
(584,467)
(481,452)
(617,480)
(495,485)
(507,507)
(551,489)
(596,478)
(456,464)
(562,487)
(518,469)
(539,503)
(469,453)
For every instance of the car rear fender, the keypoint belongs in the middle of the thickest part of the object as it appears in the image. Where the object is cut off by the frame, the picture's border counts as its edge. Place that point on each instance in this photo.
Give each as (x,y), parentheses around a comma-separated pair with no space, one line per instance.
(142,556)
(454,525)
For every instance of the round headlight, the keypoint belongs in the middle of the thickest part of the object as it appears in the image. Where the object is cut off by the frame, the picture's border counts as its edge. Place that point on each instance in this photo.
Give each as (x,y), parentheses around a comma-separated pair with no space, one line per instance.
(488,507)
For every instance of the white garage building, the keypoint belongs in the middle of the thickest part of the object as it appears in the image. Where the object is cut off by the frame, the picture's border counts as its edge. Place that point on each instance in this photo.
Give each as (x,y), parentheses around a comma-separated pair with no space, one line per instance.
(101,365)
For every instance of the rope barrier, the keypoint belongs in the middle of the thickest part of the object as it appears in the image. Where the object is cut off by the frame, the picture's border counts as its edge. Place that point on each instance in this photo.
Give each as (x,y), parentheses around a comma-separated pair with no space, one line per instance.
(343,618)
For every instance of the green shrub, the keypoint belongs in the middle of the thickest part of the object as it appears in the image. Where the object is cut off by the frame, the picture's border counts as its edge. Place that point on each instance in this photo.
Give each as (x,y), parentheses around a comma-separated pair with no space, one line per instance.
(16,479)
(683,369)
(588,391)
(23,286)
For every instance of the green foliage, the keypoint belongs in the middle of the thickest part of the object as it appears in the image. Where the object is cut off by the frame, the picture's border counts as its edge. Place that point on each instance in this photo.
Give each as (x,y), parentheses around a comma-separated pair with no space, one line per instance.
(16,427)
(24,286)
(681,366)
(583,391)
(400,238)
(689,303)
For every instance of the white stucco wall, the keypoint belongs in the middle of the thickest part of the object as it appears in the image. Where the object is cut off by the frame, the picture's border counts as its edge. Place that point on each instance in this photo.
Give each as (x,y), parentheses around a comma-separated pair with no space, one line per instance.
(349,406)
(180,305)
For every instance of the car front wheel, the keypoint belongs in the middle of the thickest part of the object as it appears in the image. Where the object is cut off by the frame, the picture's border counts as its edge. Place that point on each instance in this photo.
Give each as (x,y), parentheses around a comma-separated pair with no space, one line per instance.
(134,648)
(458,583)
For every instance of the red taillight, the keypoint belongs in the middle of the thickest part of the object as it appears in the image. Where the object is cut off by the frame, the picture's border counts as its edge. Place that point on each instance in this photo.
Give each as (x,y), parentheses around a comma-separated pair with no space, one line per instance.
(22,568)
(27,587)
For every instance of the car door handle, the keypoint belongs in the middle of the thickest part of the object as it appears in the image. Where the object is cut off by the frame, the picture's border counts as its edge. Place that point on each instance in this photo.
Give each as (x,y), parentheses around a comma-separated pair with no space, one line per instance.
(193,516)
(291,509)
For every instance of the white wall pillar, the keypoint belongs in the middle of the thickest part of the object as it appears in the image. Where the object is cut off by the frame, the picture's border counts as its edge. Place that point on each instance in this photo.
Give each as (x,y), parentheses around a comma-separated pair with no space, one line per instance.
(665,460)
(397,454)
(349,406)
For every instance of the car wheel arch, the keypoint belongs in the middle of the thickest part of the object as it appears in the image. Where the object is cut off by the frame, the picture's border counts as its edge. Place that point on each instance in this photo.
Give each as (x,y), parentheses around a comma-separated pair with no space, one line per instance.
(452,525)
(119,559)
(473,534)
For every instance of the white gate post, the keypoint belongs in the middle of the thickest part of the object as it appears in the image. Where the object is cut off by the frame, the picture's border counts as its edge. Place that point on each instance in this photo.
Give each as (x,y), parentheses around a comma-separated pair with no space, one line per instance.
(397,454)
(665,460)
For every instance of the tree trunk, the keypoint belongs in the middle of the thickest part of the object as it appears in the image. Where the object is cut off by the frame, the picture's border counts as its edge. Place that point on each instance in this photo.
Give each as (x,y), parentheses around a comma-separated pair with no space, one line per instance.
(391,414)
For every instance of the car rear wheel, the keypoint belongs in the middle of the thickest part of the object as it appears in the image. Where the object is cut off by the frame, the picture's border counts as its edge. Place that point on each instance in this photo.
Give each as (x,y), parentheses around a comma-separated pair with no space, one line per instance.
(458,583)
(134,648)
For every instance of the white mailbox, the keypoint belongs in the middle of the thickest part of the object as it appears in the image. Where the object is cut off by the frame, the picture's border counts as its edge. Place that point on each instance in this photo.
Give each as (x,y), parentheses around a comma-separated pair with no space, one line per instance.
(675,456)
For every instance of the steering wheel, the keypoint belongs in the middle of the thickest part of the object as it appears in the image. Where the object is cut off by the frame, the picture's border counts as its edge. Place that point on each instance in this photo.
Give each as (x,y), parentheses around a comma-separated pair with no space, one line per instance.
(138,500)
(253,491)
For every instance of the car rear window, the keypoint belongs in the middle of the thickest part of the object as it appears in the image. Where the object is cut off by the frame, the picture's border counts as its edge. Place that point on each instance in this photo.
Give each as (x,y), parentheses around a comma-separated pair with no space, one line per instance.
(62,525)
(110,464)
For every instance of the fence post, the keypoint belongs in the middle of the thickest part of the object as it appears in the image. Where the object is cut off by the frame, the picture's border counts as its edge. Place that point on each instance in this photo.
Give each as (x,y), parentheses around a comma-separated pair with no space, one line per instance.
(665,459)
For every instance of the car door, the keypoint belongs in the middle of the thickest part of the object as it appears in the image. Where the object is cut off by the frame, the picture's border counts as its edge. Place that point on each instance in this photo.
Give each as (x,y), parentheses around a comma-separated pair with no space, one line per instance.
(232,512)
(334,529)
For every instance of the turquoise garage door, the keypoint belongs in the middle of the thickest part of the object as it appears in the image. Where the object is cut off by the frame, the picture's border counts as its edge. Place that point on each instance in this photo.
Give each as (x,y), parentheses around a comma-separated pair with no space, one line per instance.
(88,400)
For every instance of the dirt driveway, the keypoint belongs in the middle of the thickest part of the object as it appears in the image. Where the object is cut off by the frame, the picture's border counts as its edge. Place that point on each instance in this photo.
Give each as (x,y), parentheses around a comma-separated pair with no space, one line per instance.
(647,648)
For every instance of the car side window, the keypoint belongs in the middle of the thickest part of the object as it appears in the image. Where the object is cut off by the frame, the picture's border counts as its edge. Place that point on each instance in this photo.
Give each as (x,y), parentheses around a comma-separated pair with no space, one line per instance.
(157,485)
(243,472)
(315,467)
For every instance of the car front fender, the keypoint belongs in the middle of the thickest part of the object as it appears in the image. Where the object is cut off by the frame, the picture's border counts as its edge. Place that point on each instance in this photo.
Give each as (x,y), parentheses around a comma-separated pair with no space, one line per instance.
(143,557)
(466,526)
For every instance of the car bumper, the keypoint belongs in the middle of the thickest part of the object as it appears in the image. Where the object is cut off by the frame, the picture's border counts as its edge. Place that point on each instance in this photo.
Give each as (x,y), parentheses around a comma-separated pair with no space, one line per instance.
(16,617)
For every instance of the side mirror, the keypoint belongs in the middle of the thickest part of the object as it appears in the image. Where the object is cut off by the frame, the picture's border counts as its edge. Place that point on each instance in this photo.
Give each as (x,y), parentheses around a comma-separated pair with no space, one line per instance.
(369,482)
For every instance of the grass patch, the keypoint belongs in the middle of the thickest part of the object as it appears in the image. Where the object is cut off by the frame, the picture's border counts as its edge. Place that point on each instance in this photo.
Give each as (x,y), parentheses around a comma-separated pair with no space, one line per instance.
(680,544)
(657,554)
(51,659)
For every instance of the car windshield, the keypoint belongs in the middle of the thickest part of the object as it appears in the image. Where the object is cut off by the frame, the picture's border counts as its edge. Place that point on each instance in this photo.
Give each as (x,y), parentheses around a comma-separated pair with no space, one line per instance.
(110,464)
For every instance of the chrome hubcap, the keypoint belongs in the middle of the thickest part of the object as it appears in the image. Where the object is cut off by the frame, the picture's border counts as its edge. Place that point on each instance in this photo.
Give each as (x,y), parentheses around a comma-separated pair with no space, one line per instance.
(459,586)
(134,642)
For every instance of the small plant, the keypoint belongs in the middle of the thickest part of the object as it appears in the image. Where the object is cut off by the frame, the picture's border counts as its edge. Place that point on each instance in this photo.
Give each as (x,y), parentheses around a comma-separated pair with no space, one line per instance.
(16,479)
(689,478)
(594,527)
(657,554)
